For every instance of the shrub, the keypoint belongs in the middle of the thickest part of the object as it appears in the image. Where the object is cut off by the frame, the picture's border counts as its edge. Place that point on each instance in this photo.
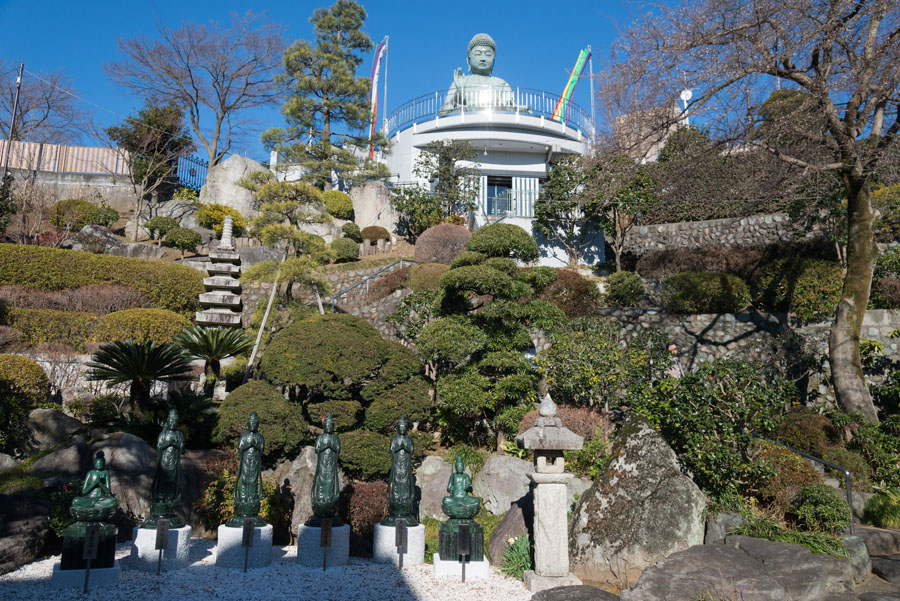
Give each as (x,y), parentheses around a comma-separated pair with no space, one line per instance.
(883,509)
(365,454)
(478,279)
(351,231)
(99,299)
(473,457)
(808,288)
(48,326)
(789,472)
(71,214)
(886,293)
(338,204)
(97,411)
(624,289)
(879,443)
(374,233)
(449,343)
(574,294)
(820,508)
(411,398)
(160,226)
(426,277)
(104,215)
(805,430)
(583,421)
(23,385)
(503,265)
(393,281)
(280,421)
(538,277)
(345,250)
(216,505)
(346,414)
(504,240)
(694,292)
(212,217)
(60,505)
(856,464)
(139,325)
(464,259)
(441,243)
(764,527)
(362,505)
(183,239)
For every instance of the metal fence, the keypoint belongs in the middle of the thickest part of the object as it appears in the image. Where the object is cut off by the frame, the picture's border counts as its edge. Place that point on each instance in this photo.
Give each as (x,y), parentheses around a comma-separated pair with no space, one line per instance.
(191,172)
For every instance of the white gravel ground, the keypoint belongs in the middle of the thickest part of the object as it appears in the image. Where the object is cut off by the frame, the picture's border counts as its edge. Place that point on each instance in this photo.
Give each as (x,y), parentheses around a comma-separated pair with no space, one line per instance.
(362,580)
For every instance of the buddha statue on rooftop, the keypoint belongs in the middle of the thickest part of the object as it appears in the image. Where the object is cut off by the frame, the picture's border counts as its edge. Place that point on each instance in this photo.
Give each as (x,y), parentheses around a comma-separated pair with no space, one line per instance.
(97,503)
(480,89)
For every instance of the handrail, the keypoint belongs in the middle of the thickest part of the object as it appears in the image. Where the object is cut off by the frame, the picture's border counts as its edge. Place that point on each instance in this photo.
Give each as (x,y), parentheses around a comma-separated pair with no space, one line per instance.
(822,461)
(366,279)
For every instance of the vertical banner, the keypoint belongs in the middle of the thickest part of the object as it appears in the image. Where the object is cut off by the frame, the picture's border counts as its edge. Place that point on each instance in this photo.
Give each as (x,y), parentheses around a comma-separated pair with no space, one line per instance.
(373,92)
(562,105)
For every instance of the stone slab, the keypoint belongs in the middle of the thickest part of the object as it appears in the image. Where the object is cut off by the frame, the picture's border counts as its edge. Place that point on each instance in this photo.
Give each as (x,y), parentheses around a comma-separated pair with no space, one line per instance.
(145,557)
(384,550)
(75,578)
(230,553)
(887,567)
(575,593)
(446,568)
(536,583)
(309,553)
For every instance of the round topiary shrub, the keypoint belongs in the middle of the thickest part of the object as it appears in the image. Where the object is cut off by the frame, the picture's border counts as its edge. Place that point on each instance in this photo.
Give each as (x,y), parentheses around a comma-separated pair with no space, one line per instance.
(624,289)
(426,277)
(573,293)
(280,421)
(820,508)
(467,258)
(212,217)
(373,233)
(788,473)
(504,240)
(478,279)
(808,288)
(693,292)
(351,231)
(160,226)
(410,398)
(441,243)
(23,385)
(365,454)
(139,325)
(805,430)
(537,277)
(183,239)
(104,215)
(345,250)
(346,414)
(71,214)
(338,204)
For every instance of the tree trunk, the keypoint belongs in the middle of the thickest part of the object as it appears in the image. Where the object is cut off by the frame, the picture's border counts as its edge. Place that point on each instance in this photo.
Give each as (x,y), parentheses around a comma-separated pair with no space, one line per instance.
(326,141)
(140,399)
(846,370)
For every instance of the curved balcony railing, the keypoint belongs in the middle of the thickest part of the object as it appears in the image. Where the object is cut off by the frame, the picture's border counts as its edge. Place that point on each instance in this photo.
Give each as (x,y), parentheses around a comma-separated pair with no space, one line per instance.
(524,101)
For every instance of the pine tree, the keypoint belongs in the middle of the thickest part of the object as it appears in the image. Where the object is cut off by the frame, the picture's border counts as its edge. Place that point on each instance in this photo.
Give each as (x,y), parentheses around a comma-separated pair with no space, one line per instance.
(324,93)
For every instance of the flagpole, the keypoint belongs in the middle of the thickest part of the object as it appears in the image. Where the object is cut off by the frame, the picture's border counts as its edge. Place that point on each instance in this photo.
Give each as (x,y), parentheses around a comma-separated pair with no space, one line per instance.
(591,83)
(384,96)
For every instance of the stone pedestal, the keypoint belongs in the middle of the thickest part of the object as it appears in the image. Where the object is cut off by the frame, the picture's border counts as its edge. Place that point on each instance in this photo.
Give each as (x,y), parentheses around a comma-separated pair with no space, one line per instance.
(536,583)
(445,568)
(309,551)
(73,548)
(75,578)
(145,556)
(384,548)
(448,535)
(230,553)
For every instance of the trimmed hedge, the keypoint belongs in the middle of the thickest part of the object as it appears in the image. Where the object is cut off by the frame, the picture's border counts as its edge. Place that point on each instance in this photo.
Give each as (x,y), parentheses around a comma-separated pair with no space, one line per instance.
(139,325)
(338,204)
(695,292)
(537,277)
(426,277)
(624,289)
(168,286)
(465,259)
(504,240)
(351,230)
(160,225)
(23,385)
(365,455)
(503,265)
(441,243)
(808,288)
(183,239)
(345,413)
(478,279)
(40,326)
(375,232)
(345,250)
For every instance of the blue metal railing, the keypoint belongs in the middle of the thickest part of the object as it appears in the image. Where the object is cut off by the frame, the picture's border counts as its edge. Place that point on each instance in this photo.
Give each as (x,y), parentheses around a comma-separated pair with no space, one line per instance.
(191,172)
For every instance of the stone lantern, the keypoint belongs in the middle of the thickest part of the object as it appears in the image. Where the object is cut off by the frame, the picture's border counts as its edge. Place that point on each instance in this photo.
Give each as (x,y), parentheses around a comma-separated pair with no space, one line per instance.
(548,439)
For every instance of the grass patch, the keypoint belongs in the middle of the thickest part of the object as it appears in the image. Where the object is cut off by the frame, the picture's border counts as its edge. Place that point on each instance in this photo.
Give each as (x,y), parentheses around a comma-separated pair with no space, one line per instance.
(360,264)
(820,543)
(16,480)
(431,537)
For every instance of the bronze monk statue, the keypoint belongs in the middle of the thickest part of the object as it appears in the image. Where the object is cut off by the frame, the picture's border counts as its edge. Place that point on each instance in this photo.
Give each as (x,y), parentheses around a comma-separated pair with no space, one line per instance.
(461,509)
(248,485)
(401,492)
(165,494)
(459,504)
(325,488)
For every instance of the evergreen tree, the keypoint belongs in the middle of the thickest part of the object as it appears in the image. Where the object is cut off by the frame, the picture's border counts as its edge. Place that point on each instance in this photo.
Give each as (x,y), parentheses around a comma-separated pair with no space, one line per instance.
(324,93)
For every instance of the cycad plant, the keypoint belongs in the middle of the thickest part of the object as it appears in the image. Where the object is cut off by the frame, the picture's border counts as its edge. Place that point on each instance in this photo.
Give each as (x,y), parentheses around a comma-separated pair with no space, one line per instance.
(141,364)
(212,345)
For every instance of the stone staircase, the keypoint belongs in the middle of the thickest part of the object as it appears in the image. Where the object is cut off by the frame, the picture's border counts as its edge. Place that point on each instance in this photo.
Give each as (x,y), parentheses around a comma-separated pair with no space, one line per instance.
(222,300)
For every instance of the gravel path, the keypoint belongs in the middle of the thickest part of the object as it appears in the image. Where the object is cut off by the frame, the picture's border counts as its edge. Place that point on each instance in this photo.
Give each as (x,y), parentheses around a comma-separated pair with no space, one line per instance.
(362,580)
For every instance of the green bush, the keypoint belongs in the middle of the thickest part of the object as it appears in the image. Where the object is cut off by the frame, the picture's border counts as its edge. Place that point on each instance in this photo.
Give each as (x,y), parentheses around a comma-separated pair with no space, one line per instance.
(345,250)
(183,239)
(538,277)
(411,398)
(23,386)
(373,233)
(574,294)
(426,277)
(478,279)
(788,473)
(71,214)
(517,557)
(503,265)
(808,288)
(212,217)
(693,292)
(504,240)
(591,460)
(160,226)
(351,231)
(365,454)
(804,429)
(97,411)
(346,414)
(280,421)
(448,343)
(104,215)
(338,204)
(624,289)
(883,509)
(820,508)
(139,325)
(856,464)
(441,243)
(49,326)
(879,443)
(464,259)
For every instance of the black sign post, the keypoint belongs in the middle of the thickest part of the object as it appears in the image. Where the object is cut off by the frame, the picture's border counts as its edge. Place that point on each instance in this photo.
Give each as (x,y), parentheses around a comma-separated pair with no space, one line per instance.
(162,541)
(91,545)
(247,539)
(325,541)
(463,539)
(400,538)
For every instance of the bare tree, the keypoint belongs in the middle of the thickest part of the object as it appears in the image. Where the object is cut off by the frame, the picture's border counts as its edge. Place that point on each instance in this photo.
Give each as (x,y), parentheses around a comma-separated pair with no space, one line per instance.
(843,55)
(48,111)
(206,69)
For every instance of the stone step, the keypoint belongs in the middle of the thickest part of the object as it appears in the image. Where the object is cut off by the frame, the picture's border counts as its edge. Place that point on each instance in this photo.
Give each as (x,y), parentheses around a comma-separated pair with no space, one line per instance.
(226,256)
(222,283)
(220,299)
(214,317)
(228,268)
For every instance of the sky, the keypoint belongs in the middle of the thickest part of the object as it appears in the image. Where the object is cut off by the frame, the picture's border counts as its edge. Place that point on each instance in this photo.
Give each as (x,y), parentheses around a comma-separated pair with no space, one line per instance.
(537,43)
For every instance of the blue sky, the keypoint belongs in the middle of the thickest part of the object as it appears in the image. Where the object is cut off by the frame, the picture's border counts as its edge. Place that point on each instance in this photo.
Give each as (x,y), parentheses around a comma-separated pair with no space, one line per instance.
(536,42)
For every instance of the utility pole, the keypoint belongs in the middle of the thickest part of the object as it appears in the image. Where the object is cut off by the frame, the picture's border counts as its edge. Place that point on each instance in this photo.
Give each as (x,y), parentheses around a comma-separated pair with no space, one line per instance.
(12,125)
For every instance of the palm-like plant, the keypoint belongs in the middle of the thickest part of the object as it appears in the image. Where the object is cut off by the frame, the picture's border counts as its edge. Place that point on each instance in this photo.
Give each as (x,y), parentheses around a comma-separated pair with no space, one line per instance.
(141,364)
(212,345)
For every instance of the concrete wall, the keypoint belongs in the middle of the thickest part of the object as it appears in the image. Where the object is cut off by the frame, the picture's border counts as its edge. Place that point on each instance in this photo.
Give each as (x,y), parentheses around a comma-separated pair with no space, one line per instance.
(115,190)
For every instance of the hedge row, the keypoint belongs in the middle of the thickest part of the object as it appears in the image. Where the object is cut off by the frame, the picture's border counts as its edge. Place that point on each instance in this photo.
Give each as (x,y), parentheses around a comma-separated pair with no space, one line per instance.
(168,286)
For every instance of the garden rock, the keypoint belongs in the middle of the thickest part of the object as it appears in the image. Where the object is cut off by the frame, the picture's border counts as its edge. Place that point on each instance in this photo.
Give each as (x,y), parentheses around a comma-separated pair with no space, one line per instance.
(432,477)
(131,463)
(257,254)
(372,205)
(24,526)
(718,525)
(575,488)
(638,512)
(879,541)
(69,462)
(574,593)
(887,567)
(48,428)
(7,462)
(502,481)
(221,185)
(138,250)
(860,565)
(517,521)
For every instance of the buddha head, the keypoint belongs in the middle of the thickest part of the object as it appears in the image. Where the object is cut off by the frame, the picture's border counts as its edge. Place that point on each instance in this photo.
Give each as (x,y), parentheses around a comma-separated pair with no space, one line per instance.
(402,425)
(460,465)
(329,424)
(172,420)
(100,461)
(481,53)
(253,422)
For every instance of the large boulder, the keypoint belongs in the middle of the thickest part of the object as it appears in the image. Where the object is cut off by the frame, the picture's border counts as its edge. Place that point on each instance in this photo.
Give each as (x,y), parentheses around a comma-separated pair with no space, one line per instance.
(257,254)
(7,462)
(579,592)
(48,428)
(70,462)
(298,475)
(432,477)
(517,521)
(24,526)
(502,481)
(131,462)
(879,541)
(372,205)
(138,250)
(640,511)
(221,185)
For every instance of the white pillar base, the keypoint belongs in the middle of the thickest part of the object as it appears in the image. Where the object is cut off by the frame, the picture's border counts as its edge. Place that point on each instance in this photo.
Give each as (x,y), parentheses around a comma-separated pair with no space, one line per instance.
(384,549)
(75,578)
(445,568)
(230,553)
(144,555)
(309,553)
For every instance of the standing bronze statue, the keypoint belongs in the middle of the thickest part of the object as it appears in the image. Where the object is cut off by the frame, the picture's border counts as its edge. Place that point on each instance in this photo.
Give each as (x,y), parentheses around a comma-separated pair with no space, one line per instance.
(401,492)
(165,494)
(248,487)
(325,488)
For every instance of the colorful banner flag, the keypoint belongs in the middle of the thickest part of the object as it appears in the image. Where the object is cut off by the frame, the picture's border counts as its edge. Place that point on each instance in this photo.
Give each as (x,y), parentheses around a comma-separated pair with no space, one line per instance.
(373,93)
(562,106)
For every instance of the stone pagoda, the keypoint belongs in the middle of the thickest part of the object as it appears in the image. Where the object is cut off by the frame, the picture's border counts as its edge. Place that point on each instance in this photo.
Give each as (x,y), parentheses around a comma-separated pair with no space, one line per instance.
(222,300)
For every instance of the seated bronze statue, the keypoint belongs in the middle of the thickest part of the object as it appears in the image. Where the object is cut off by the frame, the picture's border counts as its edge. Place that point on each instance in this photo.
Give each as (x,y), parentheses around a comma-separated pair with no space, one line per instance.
(97,503)
(459,504)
